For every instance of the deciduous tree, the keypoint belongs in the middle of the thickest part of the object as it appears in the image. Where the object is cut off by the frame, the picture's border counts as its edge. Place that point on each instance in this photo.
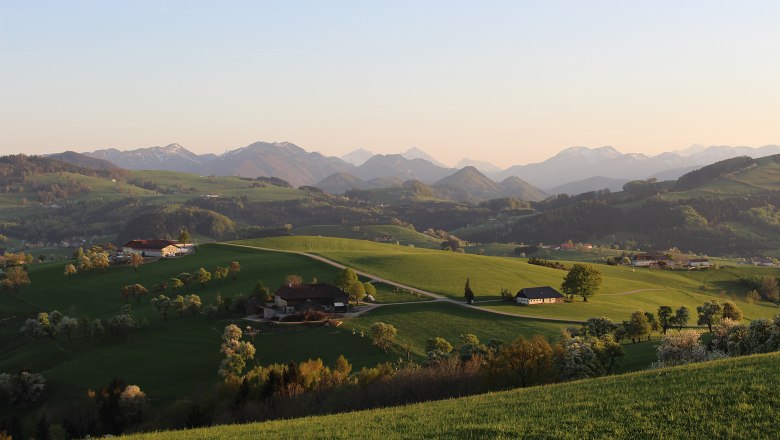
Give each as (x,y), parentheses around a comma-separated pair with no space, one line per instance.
(731,311)
(582,280)
(709,313)
(383,335)
(665,318)
(69,270)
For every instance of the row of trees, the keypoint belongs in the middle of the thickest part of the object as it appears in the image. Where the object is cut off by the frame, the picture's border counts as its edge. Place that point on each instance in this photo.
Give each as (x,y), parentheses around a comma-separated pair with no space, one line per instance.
(54,324)
(348,281)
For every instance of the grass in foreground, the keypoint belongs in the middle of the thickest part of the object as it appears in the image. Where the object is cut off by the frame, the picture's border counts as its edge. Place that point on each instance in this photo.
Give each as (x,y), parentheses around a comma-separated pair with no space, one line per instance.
(730,399)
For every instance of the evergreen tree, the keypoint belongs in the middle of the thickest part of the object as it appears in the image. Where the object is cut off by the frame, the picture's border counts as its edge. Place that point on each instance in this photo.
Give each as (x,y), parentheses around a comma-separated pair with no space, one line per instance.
(468,293)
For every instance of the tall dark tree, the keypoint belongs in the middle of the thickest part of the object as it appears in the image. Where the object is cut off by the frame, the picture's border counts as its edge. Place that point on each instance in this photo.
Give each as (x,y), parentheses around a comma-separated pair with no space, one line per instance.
(468,293)
(665,317)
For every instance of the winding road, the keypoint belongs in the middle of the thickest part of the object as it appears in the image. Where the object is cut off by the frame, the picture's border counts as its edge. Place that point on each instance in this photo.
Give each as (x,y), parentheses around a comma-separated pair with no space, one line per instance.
(437,297)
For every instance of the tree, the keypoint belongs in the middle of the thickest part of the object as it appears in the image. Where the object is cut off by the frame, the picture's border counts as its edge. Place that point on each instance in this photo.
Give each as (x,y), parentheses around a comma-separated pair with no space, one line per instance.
(69,270)
(84,263)
(683,348)
(731,311)
(506,295)
(356,291)
(638,326)
(601,326)
(345,278)
(653,322)
(369,289)
(234,268)
(237,353)
(175,284)
(67,325)
(665,318)
(186,280)
(261,292)
(17,277)
(438,344)
(769,289)
(523,362)
(99,259)
(21,388)
(202,277)
(136,260)
(135,291)
(468,293)
(709,313)
(221,273)
(383,335)
(582,280)
(192,303)
(162,303)
(293,279)
(681,317)
(179,305)
(184,236)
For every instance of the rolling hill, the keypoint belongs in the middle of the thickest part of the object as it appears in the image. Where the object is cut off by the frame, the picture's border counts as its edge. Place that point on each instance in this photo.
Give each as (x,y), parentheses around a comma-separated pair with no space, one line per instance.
(731,398)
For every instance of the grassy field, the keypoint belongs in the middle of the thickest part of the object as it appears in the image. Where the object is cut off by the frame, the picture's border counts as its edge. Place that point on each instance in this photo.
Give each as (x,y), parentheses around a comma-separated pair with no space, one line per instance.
(168,359)
(730,399)
(417,323)
(446,273)
(387,294)
(403,236)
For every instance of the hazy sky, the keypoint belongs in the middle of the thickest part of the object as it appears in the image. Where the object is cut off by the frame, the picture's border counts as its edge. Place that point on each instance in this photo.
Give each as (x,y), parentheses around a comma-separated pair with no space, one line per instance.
(510,82)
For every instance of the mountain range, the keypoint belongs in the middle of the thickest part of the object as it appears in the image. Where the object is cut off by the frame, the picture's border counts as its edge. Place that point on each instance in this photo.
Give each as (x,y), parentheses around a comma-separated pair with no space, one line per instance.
(573,170)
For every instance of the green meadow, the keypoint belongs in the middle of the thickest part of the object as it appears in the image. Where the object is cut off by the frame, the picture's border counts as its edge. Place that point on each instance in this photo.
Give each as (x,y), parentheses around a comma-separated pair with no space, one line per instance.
(168,359)
(624,289)
(679,403)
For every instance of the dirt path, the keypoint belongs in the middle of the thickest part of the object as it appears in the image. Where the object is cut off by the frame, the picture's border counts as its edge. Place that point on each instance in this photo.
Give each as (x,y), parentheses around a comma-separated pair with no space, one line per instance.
(437,297)
(630,292)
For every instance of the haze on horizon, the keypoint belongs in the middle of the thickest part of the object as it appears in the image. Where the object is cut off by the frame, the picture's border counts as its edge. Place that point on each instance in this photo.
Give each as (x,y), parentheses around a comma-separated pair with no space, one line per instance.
(509,82)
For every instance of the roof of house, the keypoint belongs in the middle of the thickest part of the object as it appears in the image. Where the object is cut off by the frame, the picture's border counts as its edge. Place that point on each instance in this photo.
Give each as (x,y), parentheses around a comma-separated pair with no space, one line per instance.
(302,292)
(543,292)
(699,260)
(149,244)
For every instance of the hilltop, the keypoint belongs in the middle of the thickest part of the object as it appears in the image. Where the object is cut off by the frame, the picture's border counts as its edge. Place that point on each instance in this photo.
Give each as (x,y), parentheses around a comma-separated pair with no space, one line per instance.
(732,398)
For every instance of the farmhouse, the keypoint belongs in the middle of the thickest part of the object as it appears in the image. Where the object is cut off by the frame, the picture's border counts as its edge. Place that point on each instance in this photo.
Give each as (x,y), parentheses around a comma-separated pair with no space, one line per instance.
(650,260)
(699,263)
(538,295)
(291,298)
(152,248)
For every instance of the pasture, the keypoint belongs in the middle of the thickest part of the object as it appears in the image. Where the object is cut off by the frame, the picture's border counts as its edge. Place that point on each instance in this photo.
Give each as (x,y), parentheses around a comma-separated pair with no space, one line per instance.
(732,398)
(624,289)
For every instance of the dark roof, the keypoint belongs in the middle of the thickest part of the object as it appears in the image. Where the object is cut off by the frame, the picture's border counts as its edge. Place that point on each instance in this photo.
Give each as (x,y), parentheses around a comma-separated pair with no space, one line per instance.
(149,244)
(698,260)
(543,292)
(302,292)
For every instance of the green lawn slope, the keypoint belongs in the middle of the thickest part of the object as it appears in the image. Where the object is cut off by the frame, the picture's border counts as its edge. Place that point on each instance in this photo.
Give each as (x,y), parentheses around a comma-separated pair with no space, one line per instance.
(727,399)
(623,291)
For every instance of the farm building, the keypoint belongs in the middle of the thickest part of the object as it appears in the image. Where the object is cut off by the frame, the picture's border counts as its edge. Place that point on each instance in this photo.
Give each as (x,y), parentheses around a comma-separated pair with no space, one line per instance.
(650,260)
(292,298)
(697,263)
(538,295)
(153,248)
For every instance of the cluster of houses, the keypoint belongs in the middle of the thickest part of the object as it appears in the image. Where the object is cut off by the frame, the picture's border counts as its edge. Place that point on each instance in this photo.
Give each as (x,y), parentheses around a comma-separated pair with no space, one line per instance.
(663,260)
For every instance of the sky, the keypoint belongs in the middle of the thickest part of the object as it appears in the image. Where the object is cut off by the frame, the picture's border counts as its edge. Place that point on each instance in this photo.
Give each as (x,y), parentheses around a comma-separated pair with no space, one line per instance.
(511,82)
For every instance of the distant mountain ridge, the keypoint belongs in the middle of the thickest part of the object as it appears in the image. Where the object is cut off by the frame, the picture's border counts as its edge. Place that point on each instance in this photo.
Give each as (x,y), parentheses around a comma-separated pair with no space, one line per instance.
(563,172)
